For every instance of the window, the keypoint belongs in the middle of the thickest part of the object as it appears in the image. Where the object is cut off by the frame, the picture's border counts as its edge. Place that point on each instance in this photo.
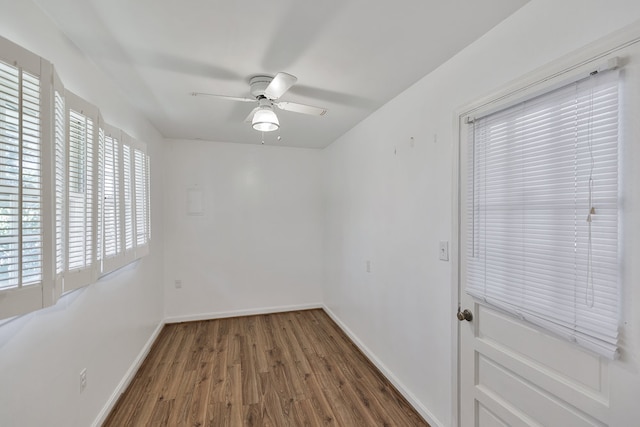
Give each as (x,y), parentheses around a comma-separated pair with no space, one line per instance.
(70,188)
(543,209)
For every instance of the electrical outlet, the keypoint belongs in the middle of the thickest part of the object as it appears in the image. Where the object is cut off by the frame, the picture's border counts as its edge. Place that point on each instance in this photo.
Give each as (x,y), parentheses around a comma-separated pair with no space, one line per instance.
(83,379)
(444,250)
(178,283)
(368,266)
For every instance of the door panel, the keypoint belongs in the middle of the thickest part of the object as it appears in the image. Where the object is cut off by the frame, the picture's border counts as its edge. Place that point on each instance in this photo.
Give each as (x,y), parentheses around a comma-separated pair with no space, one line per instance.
(523,342)
(539,394)
(524,376)
(488,418)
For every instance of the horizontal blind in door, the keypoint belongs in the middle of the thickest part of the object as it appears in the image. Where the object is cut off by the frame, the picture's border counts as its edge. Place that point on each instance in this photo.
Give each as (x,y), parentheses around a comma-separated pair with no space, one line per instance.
(543,210)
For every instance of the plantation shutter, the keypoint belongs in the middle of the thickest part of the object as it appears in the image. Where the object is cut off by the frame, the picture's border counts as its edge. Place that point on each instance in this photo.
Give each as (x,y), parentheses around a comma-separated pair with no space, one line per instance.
(147,190)
(101,201)
(113,201)
(23,96)
(123,206)
(81,148)
(128,197)
(142,219)
(68,190)
(60,155)
(20,166)
(111,198)
(543,211)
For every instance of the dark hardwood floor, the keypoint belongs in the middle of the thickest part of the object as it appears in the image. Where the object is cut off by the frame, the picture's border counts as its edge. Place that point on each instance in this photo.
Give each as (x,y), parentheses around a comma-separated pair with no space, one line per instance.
(286,369)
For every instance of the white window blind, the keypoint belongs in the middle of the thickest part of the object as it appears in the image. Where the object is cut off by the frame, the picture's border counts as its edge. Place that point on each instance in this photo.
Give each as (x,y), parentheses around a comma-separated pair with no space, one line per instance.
(59,153)
(60,176)
(112,236)
(101,200)
(128,197)
(147,189)
(25,243)
(122,165)
(142,200)
(20,179)
(543,211)
(81,192)
(67,193)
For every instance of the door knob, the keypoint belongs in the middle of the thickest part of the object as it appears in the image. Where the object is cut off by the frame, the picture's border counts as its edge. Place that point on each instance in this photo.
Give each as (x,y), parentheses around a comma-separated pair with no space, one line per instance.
(465,315)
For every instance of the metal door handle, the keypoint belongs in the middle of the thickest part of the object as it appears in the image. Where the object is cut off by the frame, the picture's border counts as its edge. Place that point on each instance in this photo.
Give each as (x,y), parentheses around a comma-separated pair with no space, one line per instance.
(465,315)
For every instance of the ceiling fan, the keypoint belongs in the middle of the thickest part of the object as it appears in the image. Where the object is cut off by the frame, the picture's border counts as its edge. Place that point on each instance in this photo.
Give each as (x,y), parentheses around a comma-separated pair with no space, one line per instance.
(266,92)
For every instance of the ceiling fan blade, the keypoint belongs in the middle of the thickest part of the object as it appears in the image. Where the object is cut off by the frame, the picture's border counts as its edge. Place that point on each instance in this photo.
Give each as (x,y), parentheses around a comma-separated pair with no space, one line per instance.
(279,85)
(228,98)
(301,108)
(249,118)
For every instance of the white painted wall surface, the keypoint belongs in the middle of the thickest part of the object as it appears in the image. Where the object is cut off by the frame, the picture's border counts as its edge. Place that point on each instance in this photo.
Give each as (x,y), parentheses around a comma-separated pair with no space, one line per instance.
(102,327)
(389,195)
(258,243)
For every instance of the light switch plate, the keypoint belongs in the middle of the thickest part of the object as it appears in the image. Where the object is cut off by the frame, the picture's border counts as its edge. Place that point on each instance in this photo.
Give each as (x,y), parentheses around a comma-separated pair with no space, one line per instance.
(444,250)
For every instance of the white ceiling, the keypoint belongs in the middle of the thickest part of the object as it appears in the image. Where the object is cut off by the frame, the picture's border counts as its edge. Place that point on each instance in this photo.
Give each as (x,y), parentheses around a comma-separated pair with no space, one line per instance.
(350,56)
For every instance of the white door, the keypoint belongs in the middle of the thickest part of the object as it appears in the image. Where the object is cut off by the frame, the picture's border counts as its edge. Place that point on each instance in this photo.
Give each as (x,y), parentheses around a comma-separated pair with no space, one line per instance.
(514,374)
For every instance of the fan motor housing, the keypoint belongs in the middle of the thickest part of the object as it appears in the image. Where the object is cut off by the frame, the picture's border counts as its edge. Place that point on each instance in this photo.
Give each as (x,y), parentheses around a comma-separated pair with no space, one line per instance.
(259,85)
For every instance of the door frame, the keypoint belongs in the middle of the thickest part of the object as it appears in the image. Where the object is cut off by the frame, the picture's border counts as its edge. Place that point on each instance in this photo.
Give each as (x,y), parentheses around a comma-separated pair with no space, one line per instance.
(547,75)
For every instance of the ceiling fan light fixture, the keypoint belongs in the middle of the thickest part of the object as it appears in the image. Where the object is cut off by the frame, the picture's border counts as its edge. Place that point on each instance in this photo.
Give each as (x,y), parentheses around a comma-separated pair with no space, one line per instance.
(266,91)
(265,120)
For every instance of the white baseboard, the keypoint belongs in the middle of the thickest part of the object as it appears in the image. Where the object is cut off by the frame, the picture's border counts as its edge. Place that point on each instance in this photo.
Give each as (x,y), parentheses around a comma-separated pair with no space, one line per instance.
(128,377)
(424,412)
(239,313)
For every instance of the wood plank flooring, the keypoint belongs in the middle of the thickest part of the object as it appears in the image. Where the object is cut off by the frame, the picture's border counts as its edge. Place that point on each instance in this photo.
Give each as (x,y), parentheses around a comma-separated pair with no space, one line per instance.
(285,369)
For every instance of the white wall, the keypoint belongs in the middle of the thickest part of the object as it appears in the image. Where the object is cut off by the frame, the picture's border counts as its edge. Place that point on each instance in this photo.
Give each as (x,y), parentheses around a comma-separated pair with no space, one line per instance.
(258,244)
(389,197)
(273,218)
(102,327)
